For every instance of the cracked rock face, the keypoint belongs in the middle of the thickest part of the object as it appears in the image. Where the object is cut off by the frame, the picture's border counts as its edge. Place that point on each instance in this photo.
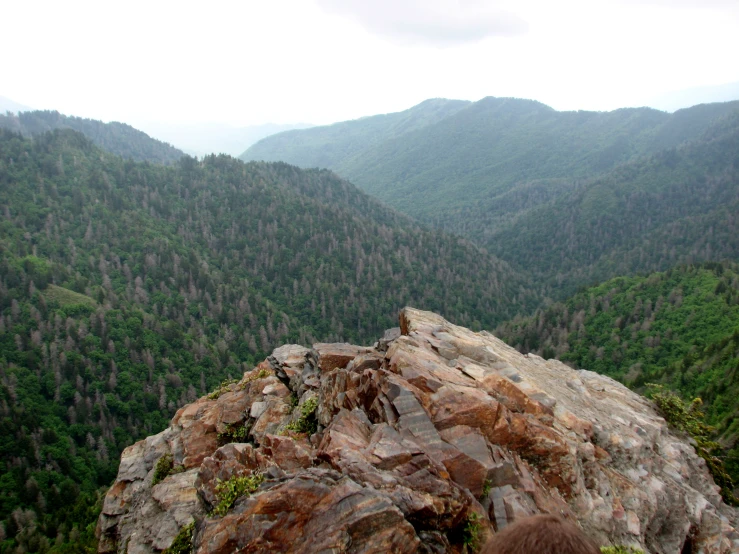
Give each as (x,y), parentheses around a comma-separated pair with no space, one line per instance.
(433,431)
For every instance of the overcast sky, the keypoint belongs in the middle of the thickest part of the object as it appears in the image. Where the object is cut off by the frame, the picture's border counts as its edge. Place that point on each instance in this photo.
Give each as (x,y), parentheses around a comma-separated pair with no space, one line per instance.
(319,61)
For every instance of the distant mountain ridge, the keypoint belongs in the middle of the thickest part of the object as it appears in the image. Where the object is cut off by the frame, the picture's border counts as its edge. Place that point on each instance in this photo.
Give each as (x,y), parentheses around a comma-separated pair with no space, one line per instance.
(678,99)
(117,138)
(493,169)
(481,149)
(330,145)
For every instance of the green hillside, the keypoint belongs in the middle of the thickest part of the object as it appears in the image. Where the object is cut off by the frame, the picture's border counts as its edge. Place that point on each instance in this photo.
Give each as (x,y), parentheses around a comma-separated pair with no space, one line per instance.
(677,206)
(479,152)
(117,138)
(679,328)
(547,190)
(128,289)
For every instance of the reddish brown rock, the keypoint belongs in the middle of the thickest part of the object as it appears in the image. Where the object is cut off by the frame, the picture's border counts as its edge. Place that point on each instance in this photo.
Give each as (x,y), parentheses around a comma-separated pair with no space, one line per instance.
(287,453)
(512,397)
(318,511)
(337,355)
(414,439)
(455,405)
(226,462)
(470,463)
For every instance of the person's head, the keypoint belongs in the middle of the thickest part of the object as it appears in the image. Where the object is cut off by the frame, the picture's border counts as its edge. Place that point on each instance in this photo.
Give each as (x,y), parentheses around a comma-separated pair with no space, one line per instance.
(541,534)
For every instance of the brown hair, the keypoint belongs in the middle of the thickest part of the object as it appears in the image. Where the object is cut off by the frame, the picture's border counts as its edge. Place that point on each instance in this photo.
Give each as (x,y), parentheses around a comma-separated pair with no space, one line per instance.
(541,534)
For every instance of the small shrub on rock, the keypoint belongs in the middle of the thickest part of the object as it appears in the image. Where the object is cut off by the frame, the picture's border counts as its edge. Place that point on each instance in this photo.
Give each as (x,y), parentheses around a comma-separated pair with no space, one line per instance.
(472,533)
(165,466)
(486,488)
(234,433)
(690,419)
(182,543)
(261,374)
(234,488)
(307,422)
(223,388)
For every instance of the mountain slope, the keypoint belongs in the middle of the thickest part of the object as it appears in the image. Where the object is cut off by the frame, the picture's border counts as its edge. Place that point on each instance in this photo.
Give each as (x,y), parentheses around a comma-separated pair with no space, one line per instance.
(677,206)
(328,146)
(679,328)
(477,154)
(547,190)
(117,138)
(127,289)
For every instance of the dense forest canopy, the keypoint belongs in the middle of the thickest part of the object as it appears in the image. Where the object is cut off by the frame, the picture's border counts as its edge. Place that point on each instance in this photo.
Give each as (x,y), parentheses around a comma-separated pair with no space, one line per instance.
(129,289)
(572,197)
(674,207)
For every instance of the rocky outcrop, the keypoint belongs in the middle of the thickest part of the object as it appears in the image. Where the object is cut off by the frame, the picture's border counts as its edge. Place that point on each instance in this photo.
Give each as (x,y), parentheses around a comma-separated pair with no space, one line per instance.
(427,442)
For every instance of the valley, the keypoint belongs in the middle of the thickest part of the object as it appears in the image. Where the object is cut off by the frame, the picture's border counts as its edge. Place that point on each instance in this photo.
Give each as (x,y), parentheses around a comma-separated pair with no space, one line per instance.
(134,278)
(572,197)
(130,289)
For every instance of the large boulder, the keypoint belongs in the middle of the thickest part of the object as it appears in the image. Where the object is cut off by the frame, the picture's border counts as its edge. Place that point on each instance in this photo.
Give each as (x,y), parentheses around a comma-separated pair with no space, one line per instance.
(430,441)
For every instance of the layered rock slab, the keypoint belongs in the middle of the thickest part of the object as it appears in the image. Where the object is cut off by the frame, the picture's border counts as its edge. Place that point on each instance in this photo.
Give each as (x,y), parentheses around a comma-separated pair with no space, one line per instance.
(434,431)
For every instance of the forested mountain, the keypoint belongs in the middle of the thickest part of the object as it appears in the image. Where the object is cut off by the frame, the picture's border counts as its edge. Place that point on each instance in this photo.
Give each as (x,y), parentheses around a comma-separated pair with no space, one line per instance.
(679,328)
(117,138)
(677,206)
(333,146)
(482,150)
(128,289)
(511,174)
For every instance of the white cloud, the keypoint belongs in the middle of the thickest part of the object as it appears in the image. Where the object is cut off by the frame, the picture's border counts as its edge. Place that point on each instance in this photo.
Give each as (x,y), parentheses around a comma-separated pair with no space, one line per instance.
(433,22)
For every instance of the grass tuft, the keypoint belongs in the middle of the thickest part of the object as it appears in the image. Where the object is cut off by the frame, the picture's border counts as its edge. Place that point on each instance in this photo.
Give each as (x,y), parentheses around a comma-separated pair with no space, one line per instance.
(223,388)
